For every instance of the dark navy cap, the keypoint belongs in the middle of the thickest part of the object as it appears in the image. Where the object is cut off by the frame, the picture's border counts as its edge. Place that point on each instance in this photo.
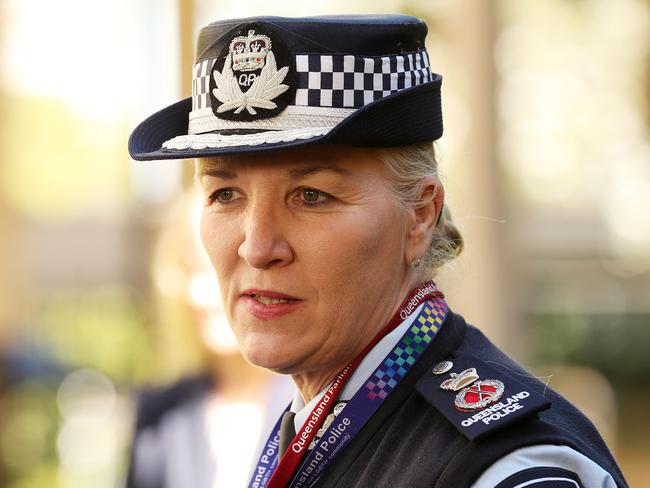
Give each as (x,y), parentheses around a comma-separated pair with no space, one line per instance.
(269,83)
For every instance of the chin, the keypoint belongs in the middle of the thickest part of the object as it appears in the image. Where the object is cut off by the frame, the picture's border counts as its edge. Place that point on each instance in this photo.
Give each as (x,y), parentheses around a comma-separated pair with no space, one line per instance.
(269,357)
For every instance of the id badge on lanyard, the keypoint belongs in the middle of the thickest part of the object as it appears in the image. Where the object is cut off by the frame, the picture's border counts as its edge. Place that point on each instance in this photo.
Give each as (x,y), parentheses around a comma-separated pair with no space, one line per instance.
(300,467)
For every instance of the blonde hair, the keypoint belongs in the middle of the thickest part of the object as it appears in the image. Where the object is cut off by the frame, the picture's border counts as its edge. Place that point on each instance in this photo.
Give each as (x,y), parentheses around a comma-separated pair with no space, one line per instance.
(408,166)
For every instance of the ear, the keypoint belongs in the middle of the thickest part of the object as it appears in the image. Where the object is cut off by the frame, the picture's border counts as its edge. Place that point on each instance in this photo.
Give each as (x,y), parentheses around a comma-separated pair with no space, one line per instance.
(423,219)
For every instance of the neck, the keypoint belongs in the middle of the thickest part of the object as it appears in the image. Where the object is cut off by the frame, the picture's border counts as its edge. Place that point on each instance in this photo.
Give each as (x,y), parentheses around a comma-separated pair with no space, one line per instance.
(311,383)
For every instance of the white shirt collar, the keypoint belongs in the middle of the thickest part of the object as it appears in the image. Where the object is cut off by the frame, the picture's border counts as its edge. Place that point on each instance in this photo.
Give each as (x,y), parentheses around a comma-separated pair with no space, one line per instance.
(359,376)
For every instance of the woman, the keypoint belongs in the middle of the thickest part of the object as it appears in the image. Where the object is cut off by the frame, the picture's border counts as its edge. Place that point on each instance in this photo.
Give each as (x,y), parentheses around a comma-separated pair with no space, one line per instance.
(323,217)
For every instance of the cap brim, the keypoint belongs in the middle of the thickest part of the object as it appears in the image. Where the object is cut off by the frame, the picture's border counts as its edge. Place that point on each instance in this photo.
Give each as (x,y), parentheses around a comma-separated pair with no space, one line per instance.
(407,117)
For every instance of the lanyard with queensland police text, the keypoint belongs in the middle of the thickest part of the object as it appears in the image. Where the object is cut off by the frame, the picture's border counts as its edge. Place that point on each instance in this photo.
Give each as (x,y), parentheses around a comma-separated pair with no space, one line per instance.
(306,466)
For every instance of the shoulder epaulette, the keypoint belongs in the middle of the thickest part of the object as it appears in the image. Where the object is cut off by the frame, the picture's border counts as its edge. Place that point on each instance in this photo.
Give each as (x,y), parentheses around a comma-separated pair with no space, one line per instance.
(477,398)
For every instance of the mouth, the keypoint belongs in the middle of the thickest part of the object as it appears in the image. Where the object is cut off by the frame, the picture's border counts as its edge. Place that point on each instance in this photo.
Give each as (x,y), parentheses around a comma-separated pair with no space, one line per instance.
(269,297)
(265,295)
(267,304)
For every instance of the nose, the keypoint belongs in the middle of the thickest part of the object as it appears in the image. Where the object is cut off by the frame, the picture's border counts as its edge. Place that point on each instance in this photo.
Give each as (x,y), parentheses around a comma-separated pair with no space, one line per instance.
(265,244)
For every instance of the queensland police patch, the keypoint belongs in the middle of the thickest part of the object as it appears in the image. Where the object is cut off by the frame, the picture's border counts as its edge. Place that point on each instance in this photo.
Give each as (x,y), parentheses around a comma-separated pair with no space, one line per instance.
(253,77)
(480,399)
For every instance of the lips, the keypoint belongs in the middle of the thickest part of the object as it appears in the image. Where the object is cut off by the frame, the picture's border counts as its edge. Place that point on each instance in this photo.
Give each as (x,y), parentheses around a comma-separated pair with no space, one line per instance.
(268,294)
(269,304)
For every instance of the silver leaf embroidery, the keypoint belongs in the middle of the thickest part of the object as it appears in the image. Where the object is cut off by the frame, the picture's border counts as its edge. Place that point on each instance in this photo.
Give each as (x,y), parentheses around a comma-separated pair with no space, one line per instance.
(267,86)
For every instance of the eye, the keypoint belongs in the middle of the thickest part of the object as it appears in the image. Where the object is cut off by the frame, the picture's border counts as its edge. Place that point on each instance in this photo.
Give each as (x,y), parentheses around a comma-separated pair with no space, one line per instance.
(222,196)
(310,197)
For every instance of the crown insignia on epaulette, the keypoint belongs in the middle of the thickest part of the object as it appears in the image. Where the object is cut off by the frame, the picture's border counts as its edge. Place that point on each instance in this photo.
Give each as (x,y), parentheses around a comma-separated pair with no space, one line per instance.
(249,52)
(461,380)
(479,395)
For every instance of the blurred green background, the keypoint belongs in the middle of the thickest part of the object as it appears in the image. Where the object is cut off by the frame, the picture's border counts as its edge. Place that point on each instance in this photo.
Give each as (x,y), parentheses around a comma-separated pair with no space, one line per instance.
(545,157)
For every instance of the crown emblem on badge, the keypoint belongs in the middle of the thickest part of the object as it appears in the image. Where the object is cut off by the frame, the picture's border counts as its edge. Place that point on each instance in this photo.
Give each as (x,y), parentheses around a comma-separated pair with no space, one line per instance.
(461,380)
(249,52)
(241,85)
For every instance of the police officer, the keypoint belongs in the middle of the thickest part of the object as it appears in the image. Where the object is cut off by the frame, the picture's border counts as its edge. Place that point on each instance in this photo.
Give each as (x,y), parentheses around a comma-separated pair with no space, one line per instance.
(325,219)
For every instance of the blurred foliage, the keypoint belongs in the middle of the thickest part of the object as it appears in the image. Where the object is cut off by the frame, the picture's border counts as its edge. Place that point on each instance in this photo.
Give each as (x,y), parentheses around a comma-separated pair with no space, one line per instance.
(99,329)
(103,329)
(614,344)
(28,428)
(40,477)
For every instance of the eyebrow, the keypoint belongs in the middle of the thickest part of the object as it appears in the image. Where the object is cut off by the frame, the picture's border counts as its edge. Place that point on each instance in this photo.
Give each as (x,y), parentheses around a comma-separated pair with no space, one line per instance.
(224,174)
(295,174)
(303,172)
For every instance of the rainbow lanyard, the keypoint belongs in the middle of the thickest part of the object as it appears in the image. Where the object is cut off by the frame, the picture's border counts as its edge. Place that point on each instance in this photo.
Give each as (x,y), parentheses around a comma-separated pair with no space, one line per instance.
(360,408)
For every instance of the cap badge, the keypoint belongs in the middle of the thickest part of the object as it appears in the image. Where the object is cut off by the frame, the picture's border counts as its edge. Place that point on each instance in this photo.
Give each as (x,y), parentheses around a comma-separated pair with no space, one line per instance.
(479,395)
(442,367)
(459,381)
(249,79)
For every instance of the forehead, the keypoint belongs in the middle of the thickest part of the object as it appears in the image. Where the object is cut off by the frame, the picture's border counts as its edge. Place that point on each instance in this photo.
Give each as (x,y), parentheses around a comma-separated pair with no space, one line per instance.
(346,161)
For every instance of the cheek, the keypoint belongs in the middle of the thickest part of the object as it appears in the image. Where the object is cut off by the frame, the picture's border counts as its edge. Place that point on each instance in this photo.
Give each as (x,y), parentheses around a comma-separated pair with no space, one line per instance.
(375,238)
(360,250)
(358,264)
(208,237)
(218,237)
(219,241)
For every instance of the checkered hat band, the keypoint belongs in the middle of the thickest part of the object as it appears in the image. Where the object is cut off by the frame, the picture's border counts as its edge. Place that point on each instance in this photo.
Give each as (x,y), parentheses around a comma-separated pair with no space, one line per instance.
(347,81)
(336,80)
(201,83)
